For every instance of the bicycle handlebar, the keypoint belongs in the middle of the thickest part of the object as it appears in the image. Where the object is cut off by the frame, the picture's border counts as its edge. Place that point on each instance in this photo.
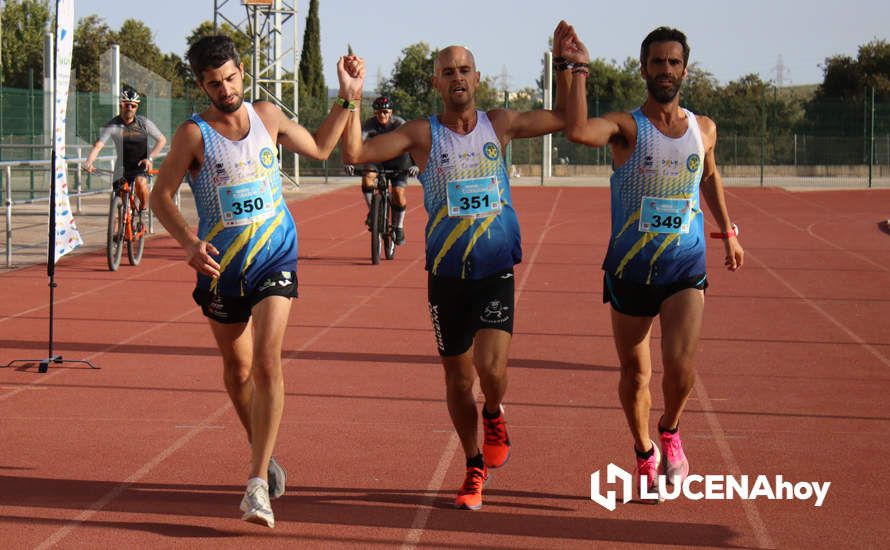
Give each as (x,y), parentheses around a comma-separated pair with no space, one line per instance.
(96,170)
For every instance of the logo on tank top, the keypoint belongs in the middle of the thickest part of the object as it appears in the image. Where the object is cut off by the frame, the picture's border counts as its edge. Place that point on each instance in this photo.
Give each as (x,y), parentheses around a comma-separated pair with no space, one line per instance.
(693,162)
(267,157)
(491,151)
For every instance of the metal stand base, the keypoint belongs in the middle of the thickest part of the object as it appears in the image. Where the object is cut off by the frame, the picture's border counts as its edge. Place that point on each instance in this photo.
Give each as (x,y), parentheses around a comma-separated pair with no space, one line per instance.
(43,364)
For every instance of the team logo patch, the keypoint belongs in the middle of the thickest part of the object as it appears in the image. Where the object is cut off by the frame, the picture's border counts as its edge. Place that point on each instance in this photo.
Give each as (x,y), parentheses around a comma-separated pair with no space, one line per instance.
(495,312)
(692,162)
(267,157)
(491,151)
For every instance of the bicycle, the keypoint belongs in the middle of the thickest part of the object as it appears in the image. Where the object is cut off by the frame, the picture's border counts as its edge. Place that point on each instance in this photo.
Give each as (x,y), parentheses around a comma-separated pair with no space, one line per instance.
(125,224)
(383,238)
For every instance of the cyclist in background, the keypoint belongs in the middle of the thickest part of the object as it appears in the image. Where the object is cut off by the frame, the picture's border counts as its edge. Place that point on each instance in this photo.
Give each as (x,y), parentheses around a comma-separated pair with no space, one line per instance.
(130,133)
(384,121)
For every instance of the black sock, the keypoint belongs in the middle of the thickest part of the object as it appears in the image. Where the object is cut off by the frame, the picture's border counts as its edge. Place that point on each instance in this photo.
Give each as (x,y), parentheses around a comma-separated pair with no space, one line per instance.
(490,416)
(666,431)
(647,454)
(476,462)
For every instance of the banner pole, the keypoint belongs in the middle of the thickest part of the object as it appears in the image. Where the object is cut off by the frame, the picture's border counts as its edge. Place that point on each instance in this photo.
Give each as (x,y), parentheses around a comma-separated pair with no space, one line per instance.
(63,31)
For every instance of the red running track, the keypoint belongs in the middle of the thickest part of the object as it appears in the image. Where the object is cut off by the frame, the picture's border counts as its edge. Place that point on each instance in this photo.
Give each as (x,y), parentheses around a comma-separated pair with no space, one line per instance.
(794,373)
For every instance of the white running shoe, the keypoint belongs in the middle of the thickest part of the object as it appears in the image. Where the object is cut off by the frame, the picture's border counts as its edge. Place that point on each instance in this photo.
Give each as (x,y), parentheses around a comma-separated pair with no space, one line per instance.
(255,504)
(277,478)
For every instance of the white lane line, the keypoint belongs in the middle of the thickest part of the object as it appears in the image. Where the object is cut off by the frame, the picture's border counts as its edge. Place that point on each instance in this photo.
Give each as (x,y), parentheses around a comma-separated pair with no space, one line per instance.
(206,423)
(95,507)
(415,532)
(86,292)
(56,372)
(141,273)
(425,508)
(761,534)
(808,230)
(760,531)
(844,328)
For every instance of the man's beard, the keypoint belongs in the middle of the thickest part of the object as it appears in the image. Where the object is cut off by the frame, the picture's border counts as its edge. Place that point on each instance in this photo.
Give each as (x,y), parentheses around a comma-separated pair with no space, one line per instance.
(229,108)
(661,94)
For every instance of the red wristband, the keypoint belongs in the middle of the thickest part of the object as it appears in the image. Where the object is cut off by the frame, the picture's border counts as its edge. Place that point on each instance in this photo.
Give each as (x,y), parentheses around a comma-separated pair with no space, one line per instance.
(733,232)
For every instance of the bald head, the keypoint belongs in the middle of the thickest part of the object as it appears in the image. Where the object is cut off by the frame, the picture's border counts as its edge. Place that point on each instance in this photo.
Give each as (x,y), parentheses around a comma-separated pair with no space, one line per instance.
(453,56)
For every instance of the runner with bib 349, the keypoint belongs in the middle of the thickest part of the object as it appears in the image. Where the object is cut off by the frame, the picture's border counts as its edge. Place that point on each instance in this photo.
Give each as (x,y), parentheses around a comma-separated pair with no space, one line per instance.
(655,264)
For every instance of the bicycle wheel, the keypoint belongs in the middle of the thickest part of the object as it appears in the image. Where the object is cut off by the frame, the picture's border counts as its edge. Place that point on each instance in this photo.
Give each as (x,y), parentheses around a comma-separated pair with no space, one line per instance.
(389,240)
(378,225)
(136,245)
(115,241)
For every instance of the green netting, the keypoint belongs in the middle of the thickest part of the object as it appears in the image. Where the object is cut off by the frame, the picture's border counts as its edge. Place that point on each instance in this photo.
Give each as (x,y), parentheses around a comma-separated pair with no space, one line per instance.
(827,140)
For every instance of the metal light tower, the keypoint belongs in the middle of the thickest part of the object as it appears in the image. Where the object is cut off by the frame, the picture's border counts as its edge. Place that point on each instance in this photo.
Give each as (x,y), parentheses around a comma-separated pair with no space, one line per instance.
(266,23)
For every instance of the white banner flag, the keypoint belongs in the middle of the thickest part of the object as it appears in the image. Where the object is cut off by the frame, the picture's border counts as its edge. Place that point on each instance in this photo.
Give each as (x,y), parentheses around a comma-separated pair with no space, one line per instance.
(67,237)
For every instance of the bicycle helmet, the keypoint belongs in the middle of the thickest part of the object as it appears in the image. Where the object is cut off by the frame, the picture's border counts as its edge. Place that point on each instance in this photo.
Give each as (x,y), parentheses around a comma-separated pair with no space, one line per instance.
(382,103)
(130,96)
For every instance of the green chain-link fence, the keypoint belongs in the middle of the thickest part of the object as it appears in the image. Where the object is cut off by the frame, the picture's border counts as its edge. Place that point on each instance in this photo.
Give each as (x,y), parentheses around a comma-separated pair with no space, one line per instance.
(830,143)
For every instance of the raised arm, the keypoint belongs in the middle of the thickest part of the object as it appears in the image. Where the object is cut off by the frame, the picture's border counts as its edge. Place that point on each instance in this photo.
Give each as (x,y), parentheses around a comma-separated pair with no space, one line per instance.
(594,132)
(712,190)
(407,138)
(524,124)
(186,151)
(319,145)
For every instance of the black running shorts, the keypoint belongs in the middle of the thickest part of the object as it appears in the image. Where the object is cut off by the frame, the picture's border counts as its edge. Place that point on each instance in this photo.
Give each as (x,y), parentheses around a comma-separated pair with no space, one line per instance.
(460,307)
(236,309)
(642,300)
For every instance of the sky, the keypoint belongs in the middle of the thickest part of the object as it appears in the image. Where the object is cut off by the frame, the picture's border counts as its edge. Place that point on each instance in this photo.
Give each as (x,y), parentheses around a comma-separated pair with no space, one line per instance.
(727,39)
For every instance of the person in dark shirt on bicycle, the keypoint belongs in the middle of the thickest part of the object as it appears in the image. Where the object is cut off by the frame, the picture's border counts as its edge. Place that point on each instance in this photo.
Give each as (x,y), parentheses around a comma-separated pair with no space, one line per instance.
(385,121)
(130,133)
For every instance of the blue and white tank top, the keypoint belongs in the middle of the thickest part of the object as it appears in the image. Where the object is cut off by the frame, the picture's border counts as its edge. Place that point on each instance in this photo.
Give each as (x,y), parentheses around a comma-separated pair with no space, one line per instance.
(241,210)
(472,232)
(657,222)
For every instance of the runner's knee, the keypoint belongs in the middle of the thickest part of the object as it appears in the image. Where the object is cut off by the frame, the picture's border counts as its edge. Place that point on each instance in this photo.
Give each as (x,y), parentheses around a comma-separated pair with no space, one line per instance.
(267,373)
(680,367)
(235,373)
(459,380)
(636,375)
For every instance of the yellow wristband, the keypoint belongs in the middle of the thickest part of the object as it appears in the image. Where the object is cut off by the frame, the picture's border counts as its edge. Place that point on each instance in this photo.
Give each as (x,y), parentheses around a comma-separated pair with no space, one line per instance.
(345,103)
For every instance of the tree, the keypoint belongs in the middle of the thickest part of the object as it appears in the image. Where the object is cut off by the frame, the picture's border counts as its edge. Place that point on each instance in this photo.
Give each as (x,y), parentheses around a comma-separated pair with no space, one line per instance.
(488,94)
(846,78)
(410,86)
(311,86)
(615,87)
(526,99)
(243,45)
(190,90)
(874,59)
(700,91)
(136,41)
(24,23)
(92,37)
(174,69)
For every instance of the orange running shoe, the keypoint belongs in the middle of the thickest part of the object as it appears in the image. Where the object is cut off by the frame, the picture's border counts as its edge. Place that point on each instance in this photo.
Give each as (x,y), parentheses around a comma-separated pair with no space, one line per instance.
(470,495)
(496,448)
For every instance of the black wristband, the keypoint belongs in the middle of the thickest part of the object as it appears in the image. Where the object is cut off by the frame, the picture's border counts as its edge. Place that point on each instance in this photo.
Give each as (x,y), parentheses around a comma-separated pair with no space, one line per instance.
(569,65)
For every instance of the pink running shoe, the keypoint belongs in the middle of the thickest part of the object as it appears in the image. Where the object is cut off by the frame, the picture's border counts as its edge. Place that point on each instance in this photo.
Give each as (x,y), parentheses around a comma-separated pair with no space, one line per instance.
(647,472)
(674,465)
